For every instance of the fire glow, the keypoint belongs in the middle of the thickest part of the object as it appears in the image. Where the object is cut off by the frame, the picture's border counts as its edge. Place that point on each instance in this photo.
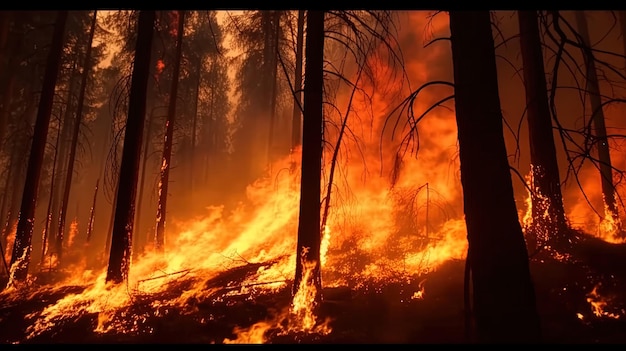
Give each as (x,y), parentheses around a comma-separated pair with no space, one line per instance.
(380,231)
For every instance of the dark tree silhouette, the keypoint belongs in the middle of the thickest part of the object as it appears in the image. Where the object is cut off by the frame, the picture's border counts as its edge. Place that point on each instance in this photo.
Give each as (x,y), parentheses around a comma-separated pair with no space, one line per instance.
(20,258)
(597,116)
(121,236)
(159,237)
(309,232)
(296,121)
(74,141)
(548,214)
(503,293)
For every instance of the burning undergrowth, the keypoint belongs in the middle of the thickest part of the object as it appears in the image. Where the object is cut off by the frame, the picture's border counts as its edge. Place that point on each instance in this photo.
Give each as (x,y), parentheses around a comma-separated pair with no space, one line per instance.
(392,271)
(239,259)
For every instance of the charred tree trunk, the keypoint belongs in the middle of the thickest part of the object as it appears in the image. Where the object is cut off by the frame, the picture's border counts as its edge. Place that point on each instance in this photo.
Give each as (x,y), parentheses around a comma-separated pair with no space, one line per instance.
(92,212)
(62,155)
(10,191)
(597,116)
(17,179)
(46,227)
(107,243)
(503,293)
(309,230)
(546,194)
(296,124)
(274,96)
(140,237)
(121,236)
(207,130)
(194,127)
(74,143)
(159,236)
(20,258)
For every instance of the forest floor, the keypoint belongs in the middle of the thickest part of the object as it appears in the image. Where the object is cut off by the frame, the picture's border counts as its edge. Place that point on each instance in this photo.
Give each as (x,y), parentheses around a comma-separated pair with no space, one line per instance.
(567,290)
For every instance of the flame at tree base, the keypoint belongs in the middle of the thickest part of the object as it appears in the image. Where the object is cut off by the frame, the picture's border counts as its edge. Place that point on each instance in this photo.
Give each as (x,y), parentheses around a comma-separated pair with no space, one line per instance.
(299,318)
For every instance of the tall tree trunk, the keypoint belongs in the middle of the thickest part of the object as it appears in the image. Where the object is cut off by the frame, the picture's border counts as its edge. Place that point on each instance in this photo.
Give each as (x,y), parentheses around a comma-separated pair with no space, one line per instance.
(74,143)
(92,212)
(296,124)
(9,189)
(20,258)
(62,156)
(17,179)
(546,194)
(46,227)
(208,128)
(159,236)
(107,243)
(503,293)
(309,231)
(121,236)
(274,89)
(194,127)
(140,237)
(601,140)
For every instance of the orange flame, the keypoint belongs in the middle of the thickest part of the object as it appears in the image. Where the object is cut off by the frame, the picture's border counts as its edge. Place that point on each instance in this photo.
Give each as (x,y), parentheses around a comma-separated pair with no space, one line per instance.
(160,66)
(73,232)
(599,304)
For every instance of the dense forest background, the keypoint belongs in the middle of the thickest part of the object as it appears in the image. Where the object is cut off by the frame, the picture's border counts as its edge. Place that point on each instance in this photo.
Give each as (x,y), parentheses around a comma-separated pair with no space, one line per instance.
(220,147)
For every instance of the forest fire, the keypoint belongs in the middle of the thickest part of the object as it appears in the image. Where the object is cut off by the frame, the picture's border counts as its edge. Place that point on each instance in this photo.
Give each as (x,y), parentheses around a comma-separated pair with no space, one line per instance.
(200,252)
(421,236)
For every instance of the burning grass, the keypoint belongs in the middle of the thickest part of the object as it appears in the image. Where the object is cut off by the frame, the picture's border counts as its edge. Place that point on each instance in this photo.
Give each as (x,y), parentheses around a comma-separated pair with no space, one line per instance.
(390,274)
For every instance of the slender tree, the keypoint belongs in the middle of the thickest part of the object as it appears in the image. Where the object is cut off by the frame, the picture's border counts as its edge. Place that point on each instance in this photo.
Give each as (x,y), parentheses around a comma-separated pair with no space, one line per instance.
(141,237)
(20,258)
(548,214)
(296,121)
(309,230)
(503,294)
(121,236)
(74,141)
(159,237)
(597,116)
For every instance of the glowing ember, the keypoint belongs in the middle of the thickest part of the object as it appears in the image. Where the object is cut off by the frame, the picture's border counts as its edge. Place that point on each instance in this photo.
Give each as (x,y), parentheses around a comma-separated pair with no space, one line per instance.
(419,295)
(610,226)
(599,304)
(541,227)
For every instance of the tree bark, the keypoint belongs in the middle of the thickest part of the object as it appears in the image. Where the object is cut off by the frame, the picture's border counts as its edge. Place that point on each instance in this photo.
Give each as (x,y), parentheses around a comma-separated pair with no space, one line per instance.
(20,258)
(141,237)
(159,237)
(503,293)
(46,228)
(296,124)
(194,127)
(74,143)
(62,156)
(121,236)
(309,231)
(546,194)
(274,84)
(597,116)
